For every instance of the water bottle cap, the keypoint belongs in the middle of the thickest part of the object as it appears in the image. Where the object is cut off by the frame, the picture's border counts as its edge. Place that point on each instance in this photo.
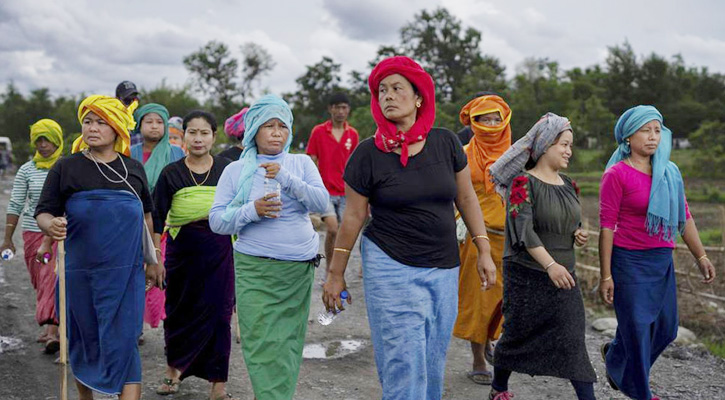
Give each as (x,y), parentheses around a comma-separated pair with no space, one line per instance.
(344,294)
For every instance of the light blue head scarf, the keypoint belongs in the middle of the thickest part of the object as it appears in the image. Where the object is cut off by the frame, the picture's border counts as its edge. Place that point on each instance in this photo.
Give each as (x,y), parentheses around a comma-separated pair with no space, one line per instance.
(666,211)
(264,109)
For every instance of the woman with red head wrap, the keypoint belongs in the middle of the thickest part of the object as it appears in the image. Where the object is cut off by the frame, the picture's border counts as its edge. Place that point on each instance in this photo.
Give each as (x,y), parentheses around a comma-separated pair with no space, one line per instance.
(411,175)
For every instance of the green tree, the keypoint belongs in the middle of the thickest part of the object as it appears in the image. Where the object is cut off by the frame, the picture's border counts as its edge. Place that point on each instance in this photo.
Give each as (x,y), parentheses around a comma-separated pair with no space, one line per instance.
(593,123)
(178,101)
(709,140)
(214,71)
(538,88)
(256,63)
(314,88)
(444,48)
(621,79)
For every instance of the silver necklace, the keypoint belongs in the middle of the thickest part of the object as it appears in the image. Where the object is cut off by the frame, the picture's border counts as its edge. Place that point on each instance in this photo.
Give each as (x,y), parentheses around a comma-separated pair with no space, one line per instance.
(123,179)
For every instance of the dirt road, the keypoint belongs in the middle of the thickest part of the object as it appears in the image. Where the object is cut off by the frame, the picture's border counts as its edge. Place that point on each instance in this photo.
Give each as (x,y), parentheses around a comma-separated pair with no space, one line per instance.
(27,374)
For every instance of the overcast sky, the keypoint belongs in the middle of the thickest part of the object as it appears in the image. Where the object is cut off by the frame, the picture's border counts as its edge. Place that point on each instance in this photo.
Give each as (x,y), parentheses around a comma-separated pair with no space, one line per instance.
(73,46)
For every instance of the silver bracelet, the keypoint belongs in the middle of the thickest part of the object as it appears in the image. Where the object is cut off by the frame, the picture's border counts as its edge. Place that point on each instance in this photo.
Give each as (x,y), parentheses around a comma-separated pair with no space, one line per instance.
(546,268)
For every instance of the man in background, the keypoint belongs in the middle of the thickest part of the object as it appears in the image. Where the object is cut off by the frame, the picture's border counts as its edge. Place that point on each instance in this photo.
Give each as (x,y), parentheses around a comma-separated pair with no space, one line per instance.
(330,145)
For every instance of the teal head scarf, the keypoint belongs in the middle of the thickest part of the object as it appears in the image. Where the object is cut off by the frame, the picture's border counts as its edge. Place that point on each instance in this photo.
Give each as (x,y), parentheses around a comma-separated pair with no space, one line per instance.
(264,109)
(161,156)
(666,211)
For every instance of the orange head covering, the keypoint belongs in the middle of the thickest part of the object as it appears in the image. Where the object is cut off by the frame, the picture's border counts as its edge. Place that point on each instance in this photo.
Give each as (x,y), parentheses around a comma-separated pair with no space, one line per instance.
(488,142)
(115,113)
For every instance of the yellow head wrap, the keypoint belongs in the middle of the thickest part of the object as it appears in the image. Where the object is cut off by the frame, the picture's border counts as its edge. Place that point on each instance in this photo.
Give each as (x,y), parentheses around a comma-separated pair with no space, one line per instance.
(49,129)
(111,110)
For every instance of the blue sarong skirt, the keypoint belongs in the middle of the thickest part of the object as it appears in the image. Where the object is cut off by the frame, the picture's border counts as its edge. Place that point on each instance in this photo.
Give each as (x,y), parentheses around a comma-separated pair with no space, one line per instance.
(104,288)
(645,301)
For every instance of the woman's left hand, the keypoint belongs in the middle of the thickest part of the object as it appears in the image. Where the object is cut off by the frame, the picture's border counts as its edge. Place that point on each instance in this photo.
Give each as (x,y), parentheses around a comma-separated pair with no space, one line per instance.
(272,169)
(707,270)
(486,270)
(45,248)
(581,237)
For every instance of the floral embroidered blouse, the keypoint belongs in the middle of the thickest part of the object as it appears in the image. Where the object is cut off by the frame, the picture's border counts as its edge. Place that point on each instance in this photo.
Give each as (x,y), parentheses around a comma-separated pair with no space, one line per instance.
(541,214)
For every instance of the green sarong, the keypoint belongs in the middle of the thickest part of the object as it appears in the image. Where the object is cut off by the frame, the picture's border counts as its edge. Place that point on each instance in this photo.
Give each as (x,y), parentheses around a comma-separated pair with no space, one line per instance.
(188,205)
(273,303)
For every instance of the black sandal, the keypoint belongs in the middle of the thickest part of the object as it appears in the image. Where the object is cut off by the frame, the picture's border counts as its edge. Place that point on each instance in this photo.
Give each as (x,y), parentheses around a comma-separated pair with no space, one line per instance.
(603,350)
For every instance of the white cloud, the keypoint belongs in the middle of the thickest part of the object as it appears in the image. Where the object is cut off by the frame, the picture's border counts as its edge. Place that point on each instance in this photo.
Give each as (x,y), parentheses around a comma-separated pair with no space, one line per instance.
(78,46)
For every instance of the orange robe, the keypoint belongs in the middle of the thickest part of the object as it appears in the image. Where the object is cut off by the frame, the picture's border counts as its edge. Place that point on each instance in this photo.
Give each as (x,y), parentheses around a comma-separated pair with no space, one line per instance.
(479,313)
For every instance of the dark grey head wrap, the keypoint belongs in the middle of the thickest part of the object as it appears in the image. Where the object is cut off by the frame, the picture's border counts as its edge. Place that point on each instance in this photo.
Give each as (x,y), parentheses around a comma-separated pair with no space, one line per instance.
(535,143)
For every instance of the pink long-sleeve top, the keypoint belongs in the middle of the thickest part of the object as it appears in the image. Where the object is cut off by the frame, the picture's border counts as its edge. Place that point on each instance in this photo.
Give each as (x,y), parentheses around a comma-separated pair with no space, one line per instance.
(623,202)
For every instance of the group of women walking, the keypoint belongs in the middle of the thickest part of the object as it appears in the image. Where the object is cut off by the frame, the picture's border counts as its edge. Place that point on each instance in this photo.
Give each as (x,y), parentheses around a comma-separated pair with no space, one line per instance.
(475,241)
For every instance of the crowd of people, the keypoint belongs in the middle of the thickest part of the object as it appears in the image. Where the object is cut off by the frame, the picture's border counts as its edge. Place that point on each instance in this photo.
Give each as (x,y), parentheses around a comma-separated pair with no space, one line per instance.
(473,240)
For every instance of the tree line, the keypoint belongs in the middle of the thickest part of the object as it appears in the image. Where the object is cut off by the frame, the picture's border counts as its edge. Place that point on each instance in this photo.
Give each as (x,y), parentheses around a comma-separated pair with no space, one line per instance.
(692,99)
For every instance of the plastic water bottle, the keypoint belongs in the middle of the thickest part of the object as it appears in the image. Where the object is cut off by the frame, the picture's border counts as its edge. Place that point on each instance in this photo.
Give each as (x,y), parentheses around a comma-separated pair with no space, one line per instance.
(7,255)
(326,317)
(271,186)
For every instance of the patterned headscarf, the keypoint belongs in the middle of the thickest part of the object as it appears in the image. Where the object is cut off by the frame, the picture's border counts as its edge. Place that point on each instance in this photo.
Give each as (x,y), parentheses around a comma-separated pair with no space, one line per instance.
(116,115)
(666,211)
(234,125)
(49,129)
(387,136)
(489,142)
(263,110)
(161,155)
(534,144)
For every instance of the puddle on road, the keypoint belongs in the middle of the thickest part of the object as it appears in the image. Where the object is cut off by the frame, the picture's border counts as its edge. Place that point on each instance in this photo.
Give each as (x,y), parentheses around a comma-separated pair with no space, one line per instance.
(332,349)
(9,344)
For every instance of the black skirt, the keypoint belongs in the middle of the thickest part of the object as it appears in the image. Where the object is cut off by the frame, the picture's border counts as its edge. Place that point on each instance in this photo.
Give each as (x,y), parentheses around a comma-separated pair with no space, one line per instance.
(544,327)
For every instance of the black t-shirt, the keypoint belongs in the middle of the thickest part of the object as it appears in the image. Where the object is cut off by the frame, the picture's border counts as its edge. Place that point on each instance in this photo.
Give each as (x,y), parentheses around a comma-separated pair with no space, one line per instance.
(177,176)
(77,173)
(412,207)
(465,135)
(231,153)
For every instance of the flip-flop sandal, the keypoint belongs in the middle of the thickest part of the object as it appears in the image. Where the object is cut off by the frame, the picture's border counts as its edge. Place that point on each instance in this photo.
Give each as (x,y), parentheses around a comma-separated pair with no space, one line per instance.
(172,387)
(52,346)
(603,349)
(480,377)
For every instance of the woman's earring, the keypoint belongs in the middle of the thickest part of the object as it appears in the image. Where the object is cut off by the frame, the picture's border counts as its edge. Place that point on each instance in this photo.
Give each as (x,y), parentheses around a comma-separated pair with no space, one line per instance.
(417,104)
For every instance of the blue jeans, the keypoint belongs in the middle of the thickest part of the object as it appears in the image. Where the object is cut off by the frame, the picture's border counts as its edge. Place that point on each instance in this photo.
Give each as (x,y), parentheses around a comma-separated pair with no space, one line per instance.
(335,207)
(411,311)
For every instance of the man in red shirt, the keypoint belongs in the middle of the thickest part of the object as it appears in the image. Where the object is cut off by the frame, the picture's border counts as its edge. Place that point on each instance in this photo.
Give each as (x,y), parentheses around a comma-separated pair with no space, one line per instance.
(330,145)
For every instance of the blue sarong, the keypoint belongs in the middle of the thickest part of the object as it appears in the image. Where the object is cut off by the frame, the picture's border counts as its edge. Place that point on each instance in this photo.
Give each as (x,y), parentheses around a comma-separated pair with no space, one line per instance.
(105,288)
(411,311)
(645,301)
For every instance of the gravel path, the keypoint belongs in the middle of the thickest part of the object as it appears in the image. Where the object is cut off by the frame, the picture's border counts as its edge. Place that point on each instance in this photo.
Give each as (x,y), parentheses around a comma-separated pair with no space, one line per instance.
(26,373)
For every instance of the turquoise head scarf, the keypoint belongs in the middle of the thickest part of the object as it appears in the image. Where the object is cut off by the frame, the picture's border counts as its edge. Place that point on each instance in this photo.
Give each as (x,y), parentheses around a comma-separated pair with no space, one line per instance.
(161,156)
(666,211)
(264,109)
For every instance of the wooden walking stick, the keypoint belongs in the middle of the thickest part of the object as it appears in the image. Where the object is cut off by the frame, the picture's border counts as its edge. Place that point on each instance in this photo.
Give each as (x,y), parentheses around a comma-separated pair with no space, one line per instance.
(62,319)
(237,332)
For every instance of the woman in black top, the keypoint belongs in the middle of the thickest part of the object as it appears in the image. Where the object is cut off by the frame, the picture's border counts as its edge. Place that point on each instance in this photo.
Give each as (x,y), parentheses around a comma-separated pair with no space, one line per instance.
(411,175)
(199,264)
(96,200)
